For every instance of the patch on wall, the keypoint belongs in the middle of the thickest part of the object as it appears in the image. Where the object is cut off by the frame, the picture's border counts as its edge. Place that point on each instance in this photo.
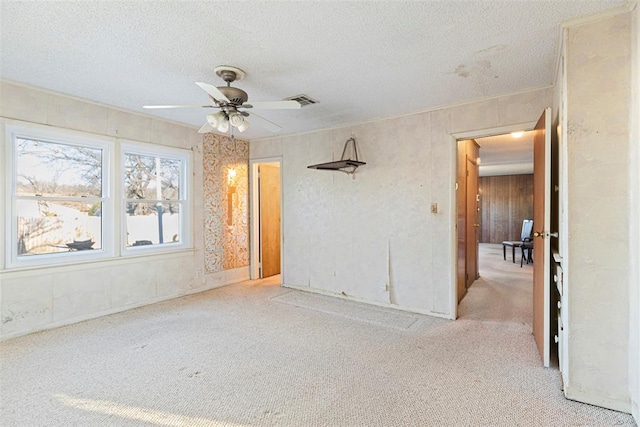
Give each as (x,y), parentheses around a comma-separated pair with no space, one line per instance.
(226,203)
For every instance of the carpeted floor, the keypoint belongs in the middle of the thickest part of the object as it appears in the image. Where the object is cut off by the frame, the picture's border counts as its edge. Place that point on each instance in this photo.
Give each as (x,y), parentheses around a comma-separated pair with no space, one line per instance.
(258,354)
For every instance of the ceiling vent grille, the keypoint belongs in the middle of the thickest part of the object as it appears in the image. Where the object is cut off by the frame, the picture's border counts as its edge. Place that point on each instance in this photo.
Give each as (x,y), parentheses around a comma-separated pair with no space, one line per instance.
(303,100)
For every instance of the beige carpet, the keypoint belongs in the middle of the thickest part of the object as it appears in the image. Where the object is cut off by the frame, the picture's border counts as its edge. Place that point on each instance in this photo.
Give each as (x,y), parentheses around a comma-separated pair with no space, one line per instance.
(257,354)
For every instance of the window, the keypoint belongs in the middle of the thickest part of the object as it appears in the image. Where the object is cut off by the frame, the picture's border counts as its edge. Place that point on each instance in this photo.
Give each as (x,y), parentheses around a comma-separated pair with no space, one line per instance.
(62,194)
(59,197)
(155,202)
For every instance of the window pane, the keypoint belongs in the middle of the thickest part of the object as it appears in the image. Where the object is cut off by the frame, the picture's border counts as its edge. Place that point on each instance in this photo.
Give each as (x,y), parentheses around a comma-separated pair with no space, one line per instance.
(143,176)
(46,227)
(145,220)
(53,169)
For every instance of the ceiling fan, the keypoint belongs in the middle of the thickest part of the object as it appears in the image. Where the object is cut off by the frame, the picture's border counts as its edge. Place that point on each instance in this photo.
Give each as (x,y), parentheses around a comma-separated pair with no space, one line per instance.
(231,101)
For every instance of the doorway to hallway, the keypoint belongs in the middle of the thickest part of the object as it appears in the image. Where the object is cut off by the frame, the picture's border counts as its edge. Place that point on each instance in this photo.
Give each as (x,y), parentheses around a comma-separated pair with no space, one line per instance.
(266,219)
(494,195)
(541,162)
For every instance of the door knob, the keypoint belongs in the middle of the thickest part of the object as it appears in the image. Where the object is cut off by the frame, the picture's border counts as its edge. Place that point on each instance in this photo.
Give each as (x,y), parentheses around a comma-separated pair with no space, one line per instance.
(476,225)
(542,234)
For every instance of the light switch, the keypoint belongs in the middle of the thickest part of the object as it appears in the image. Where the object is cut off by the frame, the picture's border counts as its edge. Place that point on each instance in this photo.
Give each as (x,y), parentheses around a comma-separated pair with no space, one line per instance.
(434,208)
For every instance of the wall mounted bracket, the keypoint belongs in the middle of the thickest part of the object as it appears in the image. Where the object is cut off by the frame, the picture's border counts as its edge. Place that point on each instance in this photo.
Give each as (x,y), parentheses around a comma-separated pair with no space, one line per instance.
(346,165)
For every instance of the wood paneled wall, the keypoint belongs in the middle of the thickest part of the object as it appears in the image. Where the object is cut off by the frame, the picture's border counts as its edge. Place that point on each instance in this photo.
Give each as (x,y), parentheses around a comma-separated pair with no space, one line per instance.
(504,202)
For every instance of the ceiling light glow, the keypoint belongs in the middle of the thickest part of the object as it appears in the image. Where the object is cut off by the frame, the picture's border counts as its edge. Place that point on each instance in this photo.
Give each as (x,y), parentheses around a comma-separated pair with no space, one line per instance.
(517,134)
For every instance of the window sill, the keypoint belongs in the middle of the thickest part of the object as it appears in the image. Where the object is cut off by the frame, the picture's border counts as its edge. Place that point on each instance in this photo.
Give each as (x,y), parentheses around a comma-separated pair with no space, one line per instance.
(102,262)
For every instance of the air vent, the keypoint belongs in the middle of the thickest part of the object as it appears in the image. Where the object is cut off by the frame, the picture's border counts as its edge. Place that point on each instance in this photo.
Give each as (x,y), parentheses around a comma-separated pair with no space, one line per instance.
(303,100)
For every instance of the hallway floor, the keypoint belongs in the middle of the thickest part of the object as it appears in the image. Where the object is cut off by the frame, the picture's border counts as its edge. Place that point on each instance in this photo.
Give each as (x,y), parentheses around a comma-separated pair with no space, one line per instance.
(503,293)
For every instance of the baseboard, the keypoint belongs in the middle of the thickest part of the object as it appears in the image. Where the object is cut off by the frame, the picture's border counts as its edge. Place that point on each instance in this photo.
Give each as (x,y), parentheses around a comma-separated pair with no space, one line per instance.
(620,405)
(635,411)
(228,277)
(365,301)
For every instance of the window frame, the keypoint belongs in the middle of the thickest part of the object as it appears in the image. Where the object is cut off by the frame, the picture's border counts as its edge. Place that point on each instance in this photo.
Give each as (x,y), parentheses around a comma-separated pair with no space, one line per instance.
(184,197)
(69,138)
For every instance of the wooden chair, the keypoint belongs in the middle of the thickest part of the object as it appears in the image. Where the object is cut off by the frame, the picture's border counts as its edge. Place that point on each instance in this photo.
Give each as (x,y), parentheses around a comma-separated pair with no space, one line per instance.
(525,236)
(527,252)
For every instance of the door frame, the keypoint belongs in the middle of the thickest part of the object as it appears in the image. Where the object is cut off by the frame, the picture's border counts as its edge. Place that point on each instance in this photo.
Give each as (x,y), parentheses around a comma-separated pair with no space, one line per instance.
(254,215)
(476,237)
(455,137)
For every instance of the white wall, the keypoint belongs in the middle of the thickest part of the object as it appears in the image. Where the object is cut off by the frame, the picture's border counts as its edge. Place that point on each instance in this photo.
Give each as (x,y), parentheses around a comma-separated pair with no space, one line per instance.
(597,259)
(33,299)
(560,129)
(634,221)
(373,237)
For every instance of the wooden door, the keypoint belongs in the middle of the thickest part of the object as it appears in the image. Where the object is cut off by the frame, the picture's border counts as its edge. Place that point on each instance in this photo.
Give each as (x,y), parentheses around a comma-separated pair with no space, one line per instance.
(541,241)
(269,178)
(472,219)
(461,209)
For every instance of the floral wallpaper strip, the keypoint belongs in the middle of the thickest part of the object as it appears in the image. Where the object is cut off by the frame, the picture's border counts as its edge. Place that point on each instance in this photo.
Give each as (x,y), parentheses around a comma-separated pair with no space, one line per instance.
(226,194)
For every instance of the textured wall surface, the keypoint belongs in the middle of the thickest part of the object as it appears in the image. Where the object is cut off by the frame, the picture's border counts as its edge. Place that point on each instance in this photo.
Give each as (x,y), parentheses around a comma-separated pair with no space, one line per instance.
(226,203)
(506,200)
(373,237)
(597,262)
(634,226)
(39,298)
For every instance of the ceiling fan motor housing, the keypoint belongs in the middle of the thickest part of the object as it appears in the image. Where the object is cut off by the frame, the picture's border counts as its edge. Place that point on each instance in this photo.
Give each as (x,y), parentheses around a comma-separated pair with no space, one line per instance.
(234,95)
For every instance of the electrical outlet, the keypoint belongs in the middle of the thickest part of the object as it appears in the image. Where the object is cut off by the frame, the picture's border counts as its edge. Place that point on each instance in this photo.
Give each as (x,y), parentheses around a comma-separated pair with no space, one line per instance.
(434,208)
(197,274)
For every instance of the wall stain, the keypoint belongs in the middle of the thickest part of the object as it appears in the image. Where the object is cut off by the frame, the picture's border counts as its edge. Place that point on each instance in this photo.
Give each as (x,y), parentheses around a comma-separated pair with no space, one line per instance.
(461,71)
(13,316)
(478,68)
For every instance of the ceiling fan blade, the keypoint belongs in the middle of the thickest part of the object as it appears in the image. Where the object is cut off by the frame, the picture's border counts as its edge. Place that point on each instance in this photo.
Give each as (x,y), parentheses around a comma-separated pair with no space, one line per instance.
(213,91)
(206,128)
(152,107)
(274,105)
(262,122)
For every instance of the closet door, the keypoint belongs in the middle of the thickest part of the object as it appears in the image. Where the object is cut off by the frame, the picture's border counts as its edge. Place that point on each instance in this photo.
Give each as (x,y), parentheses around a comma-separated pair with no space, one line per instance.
(270,219)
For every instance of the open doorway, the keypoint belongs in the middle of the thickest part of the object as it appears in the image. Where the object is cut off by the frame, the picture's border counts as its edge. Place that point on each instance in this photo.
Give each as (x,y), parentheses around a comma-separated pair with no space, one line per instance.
(494,195)
(266,221)
(535,295)
(505,188)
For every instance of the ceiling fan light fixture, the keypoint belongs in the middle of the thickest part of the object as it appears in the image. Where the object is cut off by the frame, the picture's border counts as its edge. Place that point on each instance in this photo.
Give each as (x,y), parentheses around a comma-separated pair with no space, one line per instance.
(236,119)
(215,119)
(230,101)
(243,126)
(223,126)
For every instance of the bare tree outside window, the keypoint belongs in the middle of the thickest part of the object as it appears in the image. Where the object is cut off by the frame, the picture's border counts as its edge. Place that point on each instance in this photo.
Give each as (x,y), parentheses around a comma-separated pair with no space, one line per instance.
(152,187)
(65,188)
(58,188)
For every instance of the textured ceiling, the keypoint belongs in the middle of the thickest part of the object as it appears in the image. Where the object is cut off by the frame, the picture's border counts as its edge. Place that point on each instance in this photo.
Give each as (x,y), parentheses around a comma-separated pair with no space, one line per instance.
(361,60)
(506,155)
